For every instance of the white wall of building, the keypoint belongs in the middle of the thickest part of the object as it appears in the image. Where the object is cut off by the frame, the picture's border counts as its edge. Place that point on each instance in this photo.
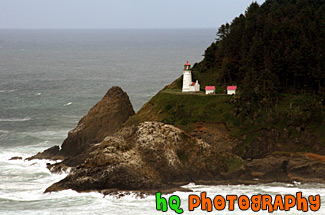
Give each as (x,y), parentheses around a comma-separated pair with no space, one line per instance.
(231,92)
(209,91)
(197,87)
(187,80)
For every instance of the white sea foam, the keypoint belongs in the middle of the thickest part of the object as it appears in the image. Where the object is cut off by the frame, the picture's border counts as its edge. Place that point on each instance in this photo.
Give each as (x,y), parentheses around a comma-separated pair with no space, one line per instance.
(68,104)
(4,132)
(16,119)
(4,91)
(24,152)
(22,183)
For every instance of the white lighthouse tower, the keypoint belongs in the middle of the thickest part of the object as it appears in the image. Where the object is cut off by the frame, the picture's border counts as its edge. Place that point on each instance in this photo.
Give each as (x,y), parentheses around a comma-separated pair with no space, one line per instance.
(187,77)
(188,85)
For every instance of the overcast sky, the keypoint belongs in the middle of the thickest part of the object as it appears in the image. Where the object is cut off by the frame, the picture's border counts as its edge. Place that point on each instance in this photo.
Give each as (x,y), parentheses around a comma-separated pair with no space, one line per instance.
(119,13)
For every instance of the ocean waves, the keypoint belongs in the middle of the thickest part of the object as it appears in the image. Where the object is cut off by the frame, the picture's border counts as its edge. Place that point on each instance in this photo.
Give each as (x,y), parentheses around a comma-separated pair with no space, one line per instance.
(7,91)
(16,119)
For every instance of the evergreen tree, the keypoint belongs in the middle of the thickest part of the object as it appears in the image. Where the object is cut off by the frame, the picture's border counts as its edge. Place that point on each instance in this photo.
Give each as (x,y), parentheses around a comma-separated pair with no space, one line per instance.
(273,48)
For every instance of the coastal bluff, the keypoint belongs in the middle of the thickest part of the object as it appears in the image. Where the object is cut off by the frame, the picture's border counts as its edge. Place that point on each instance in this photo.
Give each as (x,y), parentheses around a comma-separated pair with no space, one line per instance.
(147,157)
(119,153)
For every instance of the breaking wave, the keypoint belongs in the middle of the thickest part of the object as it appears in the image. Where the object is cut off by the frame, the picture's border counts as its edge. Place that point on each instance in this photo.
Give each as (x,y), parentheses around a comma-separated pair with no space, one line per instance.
(16,119)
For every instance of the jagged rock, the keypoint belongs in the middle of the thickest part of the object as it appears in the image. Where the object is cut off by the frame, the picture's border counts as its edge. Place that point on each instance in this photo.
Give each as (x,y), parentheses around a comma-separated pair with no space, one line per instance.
(16,158)
(103,119)
(150,156)
(57,167)
(305,167)
(50,153)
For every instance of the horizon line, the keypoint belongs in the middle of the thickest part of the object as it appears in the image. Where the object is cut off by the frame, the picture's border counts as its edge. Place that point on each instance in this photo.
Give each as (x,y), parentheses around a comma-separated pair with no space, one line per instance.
(113,28)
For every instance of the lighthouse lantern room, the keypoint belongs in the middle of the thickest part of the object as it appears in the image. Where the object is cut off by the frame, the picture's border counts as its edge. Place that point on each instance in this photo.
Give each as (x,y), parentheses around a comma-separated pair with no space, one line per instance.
(187,66)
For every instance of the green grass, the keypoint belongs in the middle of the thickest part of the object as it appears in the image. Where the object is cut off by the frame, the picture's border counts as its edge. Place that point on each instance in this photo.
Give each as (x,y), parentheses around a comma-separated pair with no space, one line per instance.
(182,110)
(233,163)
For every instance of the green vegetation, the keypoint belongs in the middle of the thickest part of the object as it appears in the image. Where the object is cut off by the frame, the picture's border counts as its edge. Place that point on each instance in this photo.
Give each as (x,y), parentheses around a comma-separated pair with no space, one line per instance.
(277,47)
(233,163)
(183,109)
(275,54)
(281,40)
(273,49)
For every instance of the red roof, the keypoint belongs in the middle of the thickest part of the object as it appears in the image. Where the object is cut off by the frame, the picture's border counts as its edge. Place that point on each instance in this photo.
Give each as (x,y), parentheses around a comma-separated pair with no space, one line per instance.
(209,87)
(231,87)
(193,84)
(187,64)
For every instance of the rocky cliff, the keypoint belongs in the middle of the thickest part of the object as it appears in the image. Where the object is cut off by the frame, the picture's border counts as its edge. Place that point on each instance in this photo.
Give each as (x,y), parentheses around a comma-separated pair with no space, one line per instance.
(154,156)
(149,156)
(287,167)
(107,153)
(103,119)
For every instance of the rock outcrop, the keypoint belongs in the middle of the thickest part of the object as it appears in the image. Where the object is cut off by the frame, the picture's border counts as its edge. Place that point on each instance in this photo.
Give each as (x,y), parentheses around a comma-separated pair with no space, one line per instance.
(287,167)
(103,119)
(154,156)
(150,156)
(106,154)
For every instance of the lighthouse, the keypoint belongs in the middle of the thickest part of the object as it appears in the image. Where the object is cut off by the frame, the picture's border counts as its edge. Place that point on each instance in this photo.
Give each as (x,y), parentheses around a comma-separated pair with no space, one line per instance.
(188,85)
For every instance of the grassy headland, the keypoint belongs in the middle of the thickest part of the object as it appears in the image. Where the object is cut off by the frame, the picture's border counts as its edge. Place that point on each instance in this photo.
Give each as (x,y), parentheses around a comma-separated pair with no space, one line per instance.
(275,54)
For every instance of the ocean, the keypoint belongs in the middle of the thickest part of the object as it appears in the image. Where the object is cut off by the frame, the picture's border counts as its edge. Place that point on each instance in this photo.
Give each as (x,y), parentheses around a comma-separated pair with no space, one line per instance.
(49,79)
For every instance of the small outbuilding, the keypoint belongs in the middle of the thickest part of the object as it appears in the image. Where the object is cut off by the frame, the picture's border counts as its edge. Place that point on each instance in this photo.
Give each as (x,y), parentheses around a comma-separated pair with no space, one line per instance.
(210,90)
(231,90)
(195,86)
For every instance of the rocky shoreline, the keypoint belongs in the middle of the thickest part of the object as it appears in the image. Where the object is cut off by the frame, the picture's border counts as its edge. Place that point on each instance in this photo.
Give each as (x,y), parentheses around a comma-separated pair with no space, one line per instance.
(107,155)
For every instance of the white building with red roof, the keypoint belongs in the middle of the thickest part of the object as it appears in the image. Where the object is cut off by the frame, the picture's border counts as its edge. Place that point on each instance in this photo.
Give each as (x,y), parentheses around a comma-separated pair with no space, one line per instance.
(188,85)
(231,90)
(210,90)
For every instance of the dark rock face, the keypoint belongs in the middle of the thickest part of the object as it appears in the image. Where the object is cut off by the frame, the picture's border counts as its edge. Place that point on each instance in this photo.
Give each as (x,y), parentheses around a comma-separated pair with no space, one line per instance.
(16,158)
(104,119)
(50,153)
(155,156)
(150,156)
(304,167)
(277,140)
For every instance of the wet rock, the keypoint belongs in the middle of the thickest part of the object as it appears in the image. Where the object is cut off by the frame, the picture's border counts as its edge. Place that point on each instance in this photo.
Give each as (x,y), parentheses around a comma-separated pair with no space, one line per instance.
(16,158)
(104,119)
(50,153)
(151,156)
(305,167)
(57,167)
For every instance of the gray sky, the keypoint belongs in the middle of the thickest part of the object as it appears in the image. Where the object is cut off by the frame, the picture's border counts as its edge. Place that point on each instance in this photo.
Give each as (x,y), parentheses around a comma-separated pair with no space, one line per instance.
(119,13)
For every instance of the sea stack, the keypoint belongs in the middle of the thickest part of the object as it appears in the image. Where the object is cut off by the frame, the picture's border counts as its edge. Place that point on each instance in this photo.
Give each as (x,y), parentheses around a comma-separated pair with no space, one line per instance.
(103,119)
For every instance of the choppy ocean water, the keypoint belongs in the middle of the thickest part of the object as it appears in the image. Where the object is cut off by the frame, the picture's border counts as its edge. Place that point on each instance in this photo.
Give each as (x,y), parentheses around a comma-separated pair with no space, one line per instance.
(49,79)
